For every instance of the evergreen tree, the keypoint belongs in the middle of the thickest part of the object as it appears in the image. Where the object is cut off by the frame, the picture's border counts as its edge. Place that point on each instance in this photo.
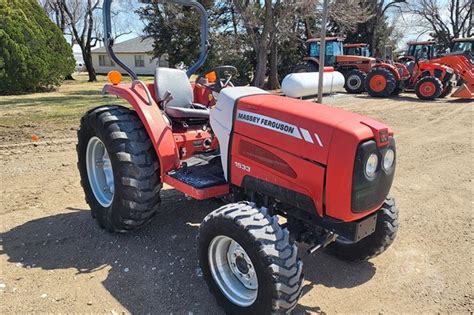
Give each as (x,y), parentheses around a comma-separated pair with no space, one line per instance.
(175,30)
(33,52)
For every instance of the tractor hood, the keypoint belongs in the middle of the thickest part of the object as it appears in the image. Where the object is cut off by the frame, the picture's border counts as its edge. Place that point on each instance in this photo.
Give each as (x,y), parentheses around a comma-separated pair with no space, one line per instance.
(305,129)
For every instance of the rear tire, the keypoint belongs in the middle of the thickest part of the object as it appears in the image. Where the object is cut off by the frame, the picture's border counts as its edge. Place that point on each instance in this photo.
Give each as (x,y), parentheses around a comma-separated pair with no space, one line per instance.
(428,88)
(355,81)
(380,82)
(272,256)
(374,244)
(400,88)
(135,168)
(305,67)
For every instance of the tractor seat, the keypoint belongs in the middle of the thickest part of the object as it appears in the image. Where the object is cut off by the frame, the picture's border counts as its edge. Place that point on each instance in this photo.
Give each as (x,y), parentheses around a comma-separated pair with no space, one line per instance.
(176,82)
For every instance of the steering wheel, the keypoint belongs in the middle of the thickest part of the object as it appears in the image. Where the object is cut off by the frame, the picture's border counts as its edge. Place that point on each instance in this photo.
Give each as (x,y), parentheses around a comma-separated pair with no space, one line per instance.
(405,59)
(218,78)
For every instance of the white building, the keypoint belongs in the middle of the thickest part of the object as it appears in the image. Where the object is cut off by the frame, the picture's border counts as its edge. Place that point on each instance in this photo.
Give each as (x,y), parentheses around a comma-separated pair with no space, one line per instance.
(136,53)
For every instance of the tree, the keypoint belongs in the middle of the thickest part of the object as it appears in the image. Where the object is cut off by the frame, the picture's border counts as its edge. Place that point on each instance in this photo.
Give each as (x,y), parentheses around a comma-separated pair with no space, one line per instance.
(376,30)
(33,53)
(80,16)
(277,29)
(175,30)
(81,21)
(265,39)
(445,24)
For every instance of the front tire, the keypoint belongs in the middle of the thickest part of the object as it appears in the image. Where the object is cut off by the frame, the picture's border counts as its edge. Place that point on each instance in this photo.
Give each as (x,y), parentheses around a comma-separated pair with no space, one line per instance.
(355,81)
(380,82)
(131,178)
(262,251)
(373,245)
(428,88)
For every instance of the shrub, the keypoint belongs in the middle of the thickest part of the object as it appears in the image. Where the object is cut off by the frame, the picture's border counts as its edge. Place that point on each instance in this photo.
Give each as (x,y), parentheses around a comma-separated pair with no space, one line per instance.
(34,55)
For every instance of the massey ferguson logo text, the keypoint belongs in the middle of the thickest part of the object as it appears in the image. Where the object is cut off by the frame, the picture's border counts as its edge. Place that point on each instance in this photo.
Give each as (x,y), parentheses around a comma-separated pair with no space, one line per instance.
(278,126)
(272,124)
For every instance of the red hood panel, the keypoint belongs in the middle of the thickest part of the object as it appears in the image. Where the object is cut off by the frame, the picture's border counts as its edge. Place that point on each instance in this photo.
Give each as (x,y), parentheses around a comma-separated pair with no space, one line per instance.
(300,127)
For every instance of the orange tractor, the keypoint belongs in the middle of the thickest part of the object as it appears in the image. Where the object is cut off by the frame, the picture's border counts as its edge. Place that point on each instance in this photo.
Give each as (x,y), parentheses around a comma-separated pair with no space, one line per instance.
(429,80)
(353,67)
(463,44)
(419,50)
(357,49)
(429,76)
(463,65)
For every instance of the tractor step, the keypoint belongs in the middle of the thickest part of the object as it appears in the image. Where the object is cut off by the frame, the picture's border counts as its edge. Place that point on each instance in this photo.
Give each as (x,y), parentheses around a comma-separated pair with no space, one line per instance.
(200,177)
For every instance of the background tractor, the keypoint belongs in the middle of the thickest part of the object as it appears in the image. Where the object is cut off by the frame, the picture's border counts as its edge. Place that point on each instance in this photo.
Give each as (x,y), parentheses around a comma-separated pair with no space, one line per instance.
(328,172)
(357,49)
(463,65)
(429,79)
(354,68)
(419,50)
(463,45)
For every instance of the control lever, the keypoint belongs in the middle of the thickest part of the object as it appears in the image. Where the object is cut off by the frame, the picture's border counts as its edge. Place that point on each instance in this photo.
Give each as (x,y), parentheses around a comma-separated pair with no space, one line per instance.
(166,98)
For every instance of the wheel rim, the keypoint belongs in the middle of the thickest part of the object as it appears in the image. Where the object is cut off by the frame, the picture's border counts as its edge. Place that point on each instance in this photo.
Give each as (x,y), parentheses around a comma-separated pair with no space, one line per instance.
(233,271)
(378,83)
(99,172)
(427,89)
(354,82)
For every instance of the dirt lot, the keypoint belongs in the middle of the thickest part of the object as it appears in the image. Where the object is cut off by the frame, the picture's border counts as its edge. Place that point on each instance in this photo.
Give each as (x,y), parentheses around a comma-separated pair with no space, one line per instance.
(54,258)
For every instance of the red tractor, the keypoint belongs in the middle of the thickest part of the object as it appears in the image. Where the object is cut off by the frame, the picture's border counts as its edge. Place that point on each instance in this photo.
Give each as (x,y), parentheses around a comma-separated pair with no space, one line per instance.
(356,49)
(428,79)
(429,76)
(424,50)
(353,67)
(463,45)
(328,172)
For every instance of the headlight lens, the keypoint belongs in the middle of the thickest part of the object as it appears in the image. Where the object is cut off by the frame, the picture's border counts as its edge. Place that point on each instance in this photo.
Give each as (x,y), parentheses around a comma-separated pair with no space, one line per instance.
(388,160)
(371,165)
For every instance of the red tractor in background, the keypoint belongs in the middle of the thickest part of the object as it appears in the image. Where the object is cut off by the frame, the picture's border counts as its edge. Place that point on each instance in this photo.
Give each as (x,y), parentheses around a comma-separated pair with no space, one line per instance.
(463,65)
(356,49)
(353,67)
(429,75)
(419,50)
(328,172)
(429,80)
(463,45)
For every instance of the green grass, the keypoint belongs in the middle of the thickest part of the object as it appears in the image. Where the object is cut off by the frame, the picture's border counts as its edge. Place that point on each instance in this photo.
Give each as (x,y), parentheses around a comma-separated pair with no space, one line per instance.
(66,104)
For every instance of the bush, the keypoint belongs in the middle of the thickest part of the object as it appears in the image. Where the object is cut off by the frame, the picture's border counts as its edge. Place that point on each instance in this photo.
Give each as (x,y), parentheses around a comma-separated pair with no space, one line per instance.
(33,52)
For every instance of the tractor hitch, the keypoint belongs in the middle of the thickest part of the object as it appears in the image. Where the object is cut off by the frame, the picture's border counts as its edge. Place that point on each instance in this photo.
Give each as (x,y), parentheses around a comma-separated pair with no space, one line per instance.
(328,239)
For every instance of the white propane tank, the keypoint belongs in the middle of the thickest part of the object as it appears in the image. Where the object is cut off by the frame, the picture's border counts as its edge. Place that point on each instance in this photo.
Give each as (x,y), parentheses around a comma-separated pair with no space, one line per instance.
(306,83)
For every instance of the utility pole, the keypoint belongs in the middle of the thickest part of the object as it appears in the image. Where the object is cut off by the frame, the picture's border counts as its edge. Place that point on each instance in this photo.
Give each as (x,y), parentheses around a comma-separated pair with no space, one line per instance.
(322,50)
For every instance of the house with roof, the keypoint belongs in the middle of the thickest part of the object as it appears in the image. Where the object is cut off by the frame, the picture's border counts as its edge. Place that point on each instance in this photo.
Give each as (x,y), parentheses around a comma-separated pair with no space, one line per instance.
(137,53)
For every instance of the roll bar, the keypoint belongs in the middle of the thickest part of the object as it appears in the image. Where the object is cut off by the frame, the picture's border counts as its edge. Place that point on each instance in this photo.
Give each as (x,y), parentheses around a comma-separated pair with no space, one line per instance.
(204,43)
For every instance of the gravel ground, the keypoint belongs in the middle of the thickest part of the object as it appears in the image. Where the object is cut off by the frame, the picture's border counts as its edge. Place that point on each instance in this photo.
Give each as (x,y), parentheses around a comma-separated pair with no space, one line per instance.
(55,259)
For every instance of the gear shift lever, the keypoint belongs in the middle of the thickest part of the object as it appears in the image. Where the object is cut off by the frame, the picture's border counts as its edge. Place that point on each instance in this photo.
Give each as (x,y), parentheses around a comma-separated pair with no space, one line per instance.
(166,98)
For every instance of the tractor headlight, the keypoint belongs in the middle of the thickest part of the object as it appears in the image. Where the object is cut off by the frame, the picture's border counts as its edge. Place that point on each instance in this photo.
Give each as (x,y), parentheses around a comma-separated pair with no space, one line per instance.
(388,160)
(374,169)
(371,166)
